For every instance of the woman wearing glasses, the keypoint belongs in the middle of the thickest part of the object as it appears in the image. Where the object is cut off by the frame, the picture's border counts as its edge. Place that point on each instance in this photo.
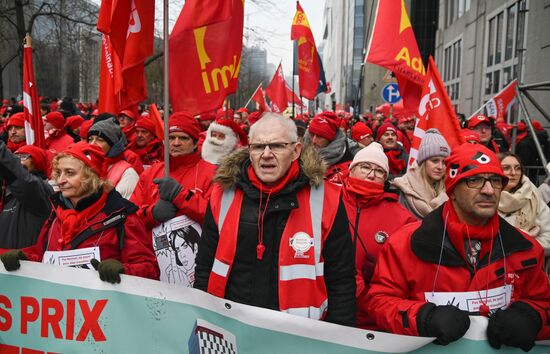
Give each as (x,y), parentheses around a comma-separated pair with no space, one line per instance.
(422,187)
(373,216)
(521,204)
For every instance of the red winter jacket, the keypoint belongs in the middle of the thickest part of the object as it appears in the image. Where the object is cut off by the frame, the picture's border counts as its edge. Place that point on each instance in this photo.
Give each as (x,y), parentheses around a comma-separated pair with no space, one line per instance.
(407,268)
(136,253)
(192,173)
(59,142)
(371,224)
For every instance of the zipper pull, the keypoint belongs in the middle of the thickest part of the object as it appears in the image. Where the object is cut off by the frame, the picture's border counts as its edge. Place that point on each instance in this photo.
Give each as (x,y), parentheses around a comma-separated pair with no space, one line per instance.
(260,249)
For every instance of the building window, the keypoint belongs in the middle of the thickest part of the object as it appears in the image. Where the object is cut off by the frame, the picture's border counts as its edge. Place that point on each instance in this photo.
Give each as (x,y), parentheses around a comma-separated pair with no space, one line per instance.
(505,33)
(452,69)
(455,9)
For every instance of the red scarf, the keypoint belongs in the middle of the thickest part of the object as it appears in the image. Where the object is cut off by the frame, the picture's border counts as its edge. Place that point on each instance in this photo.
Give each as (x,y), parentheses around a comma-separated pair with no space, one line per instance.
(71,219)
(396,164)
(459,231)
(187,160)
(147,153)
(364,188)
(277,186)
(14,146)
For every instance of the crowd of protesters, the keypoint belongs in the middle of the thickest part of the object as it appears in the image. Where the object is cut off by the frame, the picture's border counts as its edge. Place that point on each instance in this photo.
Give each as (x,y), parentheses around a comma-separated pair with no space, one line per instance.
(315,216)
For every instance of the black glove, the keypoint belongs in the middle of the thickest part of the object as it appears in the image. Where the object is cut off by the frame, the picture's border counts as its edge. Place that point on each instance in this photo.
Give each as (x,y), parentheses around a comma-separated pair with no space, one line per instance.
(11,259)
(517,326)
(109,270)
(164,210)
(169,188)
(447,323)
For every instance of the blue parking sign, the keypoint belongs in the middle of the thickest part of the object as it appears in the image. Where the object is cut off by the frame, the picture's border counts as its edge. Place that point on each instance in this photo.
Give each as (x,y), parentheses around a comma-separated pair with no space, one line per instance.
(390,93)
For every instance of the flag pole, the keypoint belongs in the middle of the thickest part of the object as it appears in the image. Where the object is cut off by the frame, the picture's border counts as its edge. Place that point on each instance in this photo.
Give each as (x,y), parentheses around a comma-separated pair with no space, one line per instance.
(166,92)
(250,99)
(293,71)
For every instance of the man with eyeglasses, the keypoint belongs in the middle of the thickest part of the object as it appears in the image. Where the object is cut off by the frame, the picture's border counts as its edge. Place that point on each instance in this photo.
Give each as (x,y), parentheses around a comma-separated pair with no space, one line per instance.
(483,125)
(24,201)
(464,260)
(275,235)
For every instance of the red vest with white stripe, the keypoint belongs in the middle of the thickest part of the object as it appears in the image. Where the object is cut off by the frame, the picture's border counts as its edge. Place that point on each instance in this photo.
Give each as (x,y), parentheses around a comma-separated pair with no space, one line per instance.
(302,289)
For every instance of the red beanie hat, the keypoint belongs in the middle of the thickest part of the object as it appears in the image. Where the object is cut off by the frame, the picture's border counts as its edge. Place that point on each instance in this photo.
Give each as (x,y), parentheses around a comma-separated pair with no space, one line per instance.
(91,155)
(41,158)
(56,119)
(537,126)
(147,124)
(325,125)
(360,131)
(128,113)
(468,160)
(17,120)
(221,113)
(183,122)
(254,117)
(73,122)
(242,110)
(384,128)
(85,128)
(207,116)
(224,124)
(469,135)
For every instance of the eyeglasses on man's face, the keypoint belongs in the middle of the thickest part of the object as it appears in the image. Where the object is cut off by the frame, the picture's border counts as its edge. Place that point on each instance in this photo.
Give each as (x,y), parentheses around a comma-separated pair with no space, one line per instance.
(275,147)
(23,157)
(367,169)
(478,182)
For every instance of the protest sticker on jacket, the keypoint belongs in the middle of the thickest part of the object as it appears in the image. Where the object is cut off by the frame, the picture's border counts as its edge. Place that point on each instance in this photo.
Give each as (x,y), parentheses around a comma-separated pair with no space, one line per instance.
(176,243)
(48,308)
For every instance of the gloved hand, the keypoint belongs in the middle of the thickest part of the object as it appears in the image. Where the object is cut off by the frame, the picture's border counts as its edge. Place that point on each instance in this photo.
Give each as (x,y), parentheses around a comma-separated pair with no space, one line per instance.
(11,259)
(447,323)
(109,270)
(169,188)
(164,210)
(517,326)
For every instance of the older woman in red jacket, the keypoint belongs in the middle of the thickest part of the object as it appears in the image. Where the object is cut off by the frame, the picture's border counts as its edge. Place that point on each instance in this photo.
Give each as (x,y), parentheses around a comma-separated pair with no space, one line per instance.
(373,215)
(90,223)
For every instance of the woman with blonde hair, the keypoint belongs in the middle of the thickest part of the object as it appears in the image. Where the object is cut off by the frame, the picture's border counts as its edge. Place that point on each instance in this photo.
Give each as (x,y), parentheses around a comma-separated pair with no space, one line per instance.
(90,221)
(422,188)
(521,204)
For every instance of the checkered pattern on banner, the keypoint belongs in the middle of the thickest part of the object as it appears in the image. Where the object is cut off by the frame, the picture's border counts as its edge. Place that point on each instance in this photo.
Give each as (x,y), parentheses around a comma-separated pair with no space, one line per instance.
(210,344)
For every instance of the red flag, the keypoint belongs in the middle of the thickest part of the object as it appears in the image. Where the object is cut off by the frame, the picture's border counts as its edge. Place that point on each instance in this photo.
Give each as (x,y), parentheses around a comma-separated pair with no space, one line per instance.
(436,111)
(130,26)
(110,78)
(199,13)
(259,97)
(159,123)
(205,60)
(276,91)
(34,127)
(500,104)
(310,71)
(393,46)
(292,97)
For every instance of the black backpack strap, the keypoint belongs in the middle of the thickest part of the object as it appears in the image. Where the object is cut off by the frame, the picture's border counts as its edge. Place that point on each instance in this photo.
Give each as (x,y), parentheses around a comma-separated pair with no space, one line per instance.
(116,220)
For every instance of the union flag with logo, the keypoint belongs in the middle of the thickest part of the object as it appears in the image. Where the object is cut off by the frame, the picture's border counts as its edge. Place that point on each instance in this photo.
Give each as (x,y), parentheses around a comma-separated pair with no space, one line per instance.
(205,54)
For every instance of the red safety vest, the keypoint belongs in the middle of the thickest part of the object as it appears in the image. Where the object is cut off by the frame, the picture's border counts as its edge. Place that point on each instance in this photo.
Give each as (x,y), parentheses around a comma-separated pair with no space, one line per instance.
(302,289)
(116,170)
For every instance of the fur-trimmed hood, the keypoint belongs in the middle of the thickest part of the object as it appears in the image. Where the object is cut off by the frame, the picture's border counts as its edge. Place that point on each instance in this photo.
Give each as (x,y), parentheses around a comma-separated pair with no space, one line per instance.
(228,173)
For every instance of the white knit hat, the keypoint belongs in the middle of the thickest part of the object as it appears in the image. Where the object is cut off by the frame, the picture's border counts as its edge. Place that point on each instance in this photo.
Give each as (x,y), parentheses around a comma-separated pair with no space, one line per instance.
(433,144)
(373,153)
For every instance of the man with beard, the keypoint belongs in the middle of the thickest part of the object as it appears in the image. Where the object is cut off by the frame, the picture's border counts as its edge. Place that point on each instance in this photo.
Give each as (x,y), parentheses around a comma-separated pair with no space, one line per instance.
(222,137)
(472,263)
(333,146)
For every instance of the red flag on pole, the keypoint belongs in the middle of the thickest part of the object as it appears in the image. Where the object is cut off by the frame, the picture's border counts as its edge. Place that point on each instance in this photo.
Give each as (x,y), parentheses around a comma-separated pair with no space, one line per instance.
(205,60)
(310,70)
(393,46)
(436,111)
(110,78)
(34,127)
(130,26)
(276,91)
(159,123)
(498,106)
(259,97)
(292,97)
